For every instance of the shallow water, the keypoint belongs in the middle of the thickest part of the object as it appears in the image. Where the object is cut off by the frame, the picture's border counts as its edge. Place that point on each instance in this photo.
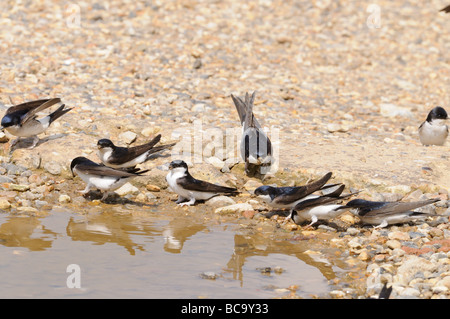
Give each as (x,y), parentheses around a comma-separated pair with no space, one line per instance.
(124,254)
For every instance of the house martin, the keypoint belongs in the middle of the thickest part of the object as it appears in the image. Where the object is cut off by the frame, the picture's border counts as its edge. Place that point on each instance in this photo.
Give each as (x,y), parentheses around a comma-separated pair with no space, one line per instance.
(256,148)
(21,120)
(289,197)
(383,214)
(190,189)
(318,207)
(125,157)
(321,212)
(102,177)
(434,131)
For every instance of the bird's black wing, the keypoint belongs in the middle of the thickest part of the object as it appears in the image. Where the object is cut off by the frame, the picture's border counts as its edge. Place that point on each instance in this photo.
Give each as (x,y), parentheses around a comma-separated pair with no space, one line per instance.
(123,154)
(288,195)
(446,9)
(36,108)
(192,184)
(392,208)
(101,170)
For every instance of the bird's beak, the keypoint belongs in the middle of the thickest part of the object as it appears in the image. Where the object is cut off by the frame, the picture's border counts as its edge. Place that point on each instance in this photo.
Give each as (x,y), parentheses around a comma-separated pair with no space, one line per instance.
(2,128)
(170,166)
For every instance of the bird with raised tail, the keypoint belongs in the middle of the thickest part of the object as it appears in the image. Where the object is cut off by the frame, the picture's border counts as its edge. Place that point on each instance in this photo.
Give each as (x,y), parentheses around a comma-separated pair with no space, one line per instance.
(289,197)
(125,157)
(21,120)
(256,148)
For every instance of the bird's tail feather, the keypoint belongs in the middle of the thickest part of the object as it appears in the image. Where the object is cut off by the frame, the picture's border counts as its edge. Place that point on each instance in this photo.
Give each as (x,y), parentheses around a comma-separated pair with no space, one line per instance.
(58,113)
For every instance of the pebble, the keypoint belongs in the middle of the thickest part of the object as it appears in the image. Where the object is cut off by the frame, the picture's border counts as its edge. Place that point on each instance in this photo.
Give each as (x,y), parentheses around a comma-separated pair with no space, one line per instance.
(63,198)
(209,275)
(334,127)
(127,189)
(391,110)
(127,137)
(4,203)
(221,201)
(152,188)
(53,168)
(233,209)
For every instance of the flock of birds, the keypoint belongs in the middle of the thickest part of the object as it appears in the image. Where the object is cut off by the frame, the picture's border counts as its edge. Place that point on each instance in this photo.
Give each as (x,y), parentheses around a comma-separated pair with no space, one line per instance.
(314,201)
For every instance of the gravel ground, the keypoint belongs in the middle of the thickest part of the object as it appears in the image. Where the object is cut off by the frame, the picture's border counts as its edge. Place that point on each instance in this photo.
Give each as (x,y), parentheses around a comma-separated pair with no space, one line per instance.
(339,92)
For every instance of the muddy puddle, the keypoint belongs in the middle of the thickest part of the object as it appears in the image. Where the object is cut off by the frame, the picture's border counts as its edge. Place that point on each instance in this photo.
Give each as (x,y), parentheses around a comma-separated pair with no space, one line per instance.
(117,252)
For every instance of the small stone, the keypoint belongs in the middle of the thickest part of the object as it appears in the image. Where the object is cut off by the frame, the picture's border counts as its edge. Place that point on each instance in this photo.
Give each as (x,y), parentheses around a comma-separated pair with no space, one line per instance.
(220,201)
(152,188)
(4,203)
(409,291)
(19,188)
(391,110)
(364,255)
(337,294)
(355,243)
(3,137)
(444,282)
(236,208)
(208,275)
(53,168)
(353,231)
(439,289)
(27,209)
(349,219)
(64,198)
(399,235)
(393,244)
(216,162)
(334,127)
(150,131)
(278,270)
(128,137)
(248,214)
(197,63)
(436,232)
(127,189)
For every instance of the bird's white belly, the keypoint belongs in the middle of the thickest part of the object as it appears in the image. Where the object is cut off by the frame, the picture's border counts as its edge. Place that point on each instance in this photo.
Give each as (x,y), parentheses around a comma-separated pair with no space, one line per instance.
(433,134)
(32,128)
(105,183)
(188,194)
(105,154)
(325,211)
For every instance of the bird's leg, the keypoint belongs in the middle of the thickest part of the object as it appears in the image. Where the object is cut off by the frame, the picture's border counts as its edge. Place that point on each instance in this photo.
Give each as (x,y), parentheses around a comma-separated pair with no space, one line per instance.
(35,141)
(314,220)
(13,143)
(105,196)
(86,190)
(383,224)
(286,219)
(189,203)
(180,199)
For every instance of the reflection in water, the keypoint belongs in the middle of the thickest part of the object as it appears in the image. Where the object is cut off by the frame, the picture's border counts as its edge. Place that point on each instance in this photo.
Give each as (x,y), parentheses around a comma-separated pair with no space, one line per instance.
(246,247)
(26,232)
(108,228)
(168,251)
(177,231)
